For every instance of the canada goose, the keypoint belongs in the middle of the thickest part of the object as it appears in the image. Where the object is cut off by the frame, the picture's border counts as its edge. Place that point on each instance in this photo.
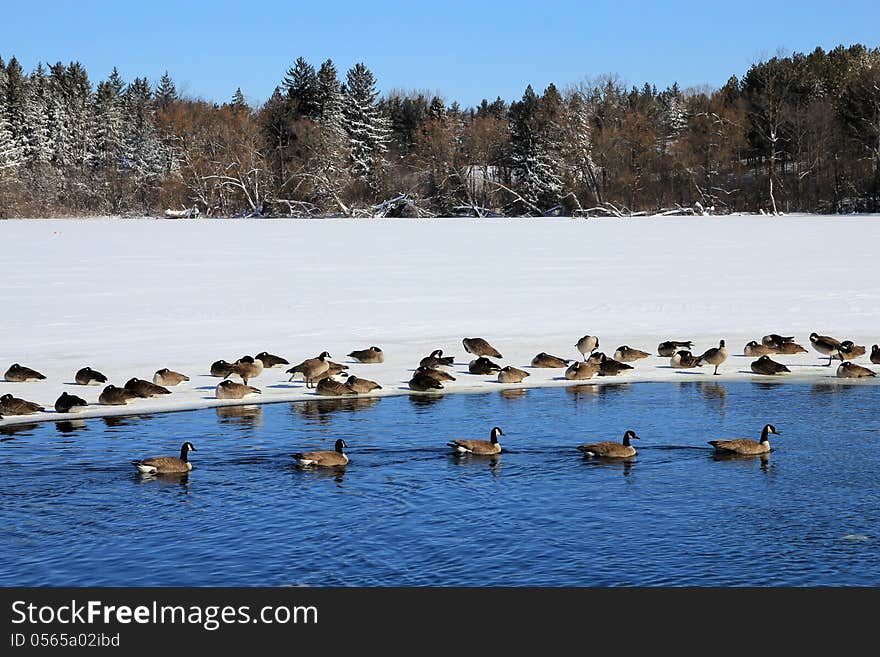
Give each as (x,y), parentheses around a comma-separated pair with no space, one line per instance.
(166,377)
(754,349)
(746,445)
(324,458)
(587,345)
(511,375)
(610,450)
(167,464)
(69,403)
(436,359)
(685,360)
(483,366)
(270,360)
(825,345)
(369,355)
(19,374)
(768,366)
(595,358)
(670,347)
(775,339)
(875,354)
(311,368)
(87,376)
(849,351)
(145,389)
(715,355)
(479,347)
(437,375)
(247,368)
(335,368)
(581,370)
(113,396)
(221,368)
(361,386)
(546,360)
(848,370)
(626,354)
(788,348)
(227,389)
(491,446)
(609,367)
(10,405)
(330,387)
(422,382)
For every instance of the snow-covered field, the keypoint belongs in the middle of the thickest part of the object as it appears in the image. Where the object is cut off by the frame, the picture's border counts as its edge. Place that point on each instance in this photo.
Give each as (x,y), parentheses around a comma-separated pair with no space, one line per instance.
(130,296)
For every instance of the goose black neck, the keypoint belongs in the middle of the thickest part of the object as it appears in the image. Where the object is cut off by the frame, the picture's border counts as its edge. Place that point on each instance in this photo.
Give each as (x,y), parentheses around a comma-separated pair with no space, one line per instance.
(765,435)
(626,440)
(184,453)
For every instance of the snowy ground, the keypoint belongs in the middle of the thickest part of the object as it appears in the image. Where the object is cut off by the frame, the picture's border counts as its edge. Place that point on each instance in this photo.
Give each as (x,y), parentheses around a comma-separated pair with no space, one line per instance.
(130,296)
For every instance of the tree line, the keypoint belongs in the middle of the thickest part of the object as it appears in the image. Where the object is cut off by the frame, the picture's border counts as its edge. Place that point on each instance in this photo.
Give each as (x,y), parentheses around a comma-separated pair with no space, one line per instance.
(795,133)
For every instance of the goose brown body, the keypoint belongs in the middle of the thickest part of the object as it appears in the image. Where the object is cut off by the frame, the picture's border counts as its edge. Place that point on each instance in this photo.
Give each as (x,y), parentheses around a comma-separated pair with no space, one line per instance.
(491,446)
(324,458)
(247,368)
(369,355)
(479,347)
(581,370)
(789,348)
(167,464)
(754,349)
(715,355)
(166,377)
(625,354)
(483,366)
(312,369)
(612,450)
(544,359)
(271,360)
(847,370)
(437,375)
(361,386)
(422,382)
(671,347)
(746,446)
(849,351)
(769,367)
(68,403)
(825,345)
(587,345)
(145,389)
(231,390)
(436,359)
(330,387)
(114,396)
(86,376)
(21,374)
(10,405)
(221,369)
(611,367)
(511,374)
(685,360)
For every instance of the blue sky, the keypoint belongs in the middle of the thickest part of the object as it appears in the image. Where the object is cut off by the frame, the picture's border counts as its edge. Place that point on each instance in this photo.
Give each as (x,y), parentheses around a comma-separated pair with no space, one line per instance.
(464,50)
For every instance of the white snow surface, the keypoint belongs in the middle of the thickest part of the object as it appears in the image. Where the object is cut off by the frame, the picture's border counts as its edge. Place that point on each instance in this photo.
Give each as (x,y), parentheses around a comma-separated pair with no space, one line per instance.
(130,296)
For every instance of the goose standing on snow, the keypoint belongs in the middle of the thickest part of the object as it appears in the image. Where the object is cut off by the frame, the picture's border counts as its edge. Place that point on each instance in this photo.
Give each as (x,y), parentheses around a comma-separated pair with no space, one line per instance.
(69,403)
(511,375)
(324,458)
(437,359)
(10,405)
(611,450)
(20,374)
(825,345)
(87,376)
(547,360)
(587,345)
(626,354)
(167,464)
(479,347)
(166,377)
(848,370)
(231,390)
(715,355)
(769,367)
(270,360)
(369,355)
(311,369)
(746,446)
(670,347)
(491,446)
(247,368)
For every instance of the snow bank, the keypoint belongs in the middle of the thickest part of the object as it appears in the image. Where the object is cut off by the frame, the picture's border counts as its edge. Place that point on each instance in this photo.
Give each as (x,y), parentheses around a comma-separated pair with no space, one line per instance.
(130,296)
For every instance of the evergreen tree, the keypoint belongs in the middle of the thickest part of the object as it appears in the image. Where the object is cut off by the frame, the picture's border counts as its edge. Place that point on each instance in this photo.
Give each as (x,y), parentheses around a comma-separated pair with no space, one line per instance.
(437,110)
(39,148)
(110,123)
(238,100)
(143,150)
(16,101)
(673,116)
(329,93)
(368,130)
(8,151)
(166,92)
(302,87)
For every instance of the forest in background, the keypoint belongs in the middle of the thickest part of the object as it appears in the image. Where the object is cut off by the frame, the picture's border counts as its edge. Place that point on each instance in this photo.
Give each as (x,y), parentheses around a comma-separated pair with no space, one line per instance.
(794,133)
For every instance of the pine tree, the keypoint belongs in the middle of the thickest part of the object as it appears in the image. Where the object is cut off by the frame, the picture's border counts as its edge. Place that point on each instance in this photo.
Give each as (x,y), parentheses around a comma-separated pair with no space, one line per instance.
(301,85)
(166,92)
(238,100)
(8,151)
(16,101)
(39,147)
(143,150)
(437,110)
(332,175)
(368,130)
(673,117)
(109,123)
(579,145)
(70,114)
(329,93)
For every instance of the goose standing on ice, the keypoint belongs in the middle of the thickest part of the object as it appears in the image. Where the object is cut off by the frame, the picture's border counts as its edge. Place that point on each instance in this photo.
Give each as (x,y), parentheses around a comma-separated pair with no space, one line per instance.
(479,347)
(20,374)
(746,446)
(825,345)
(311,369)
(324,458)
(715,355)
(587,345)
(611,450)
(87,376)
(247,368)
(167,464)
(491,446)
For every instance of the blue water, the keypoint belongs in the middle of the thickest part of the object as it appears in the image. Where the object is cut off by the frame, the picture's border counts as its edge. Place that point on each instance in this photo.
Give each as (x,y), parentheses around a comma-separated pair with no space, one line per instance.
(405,512)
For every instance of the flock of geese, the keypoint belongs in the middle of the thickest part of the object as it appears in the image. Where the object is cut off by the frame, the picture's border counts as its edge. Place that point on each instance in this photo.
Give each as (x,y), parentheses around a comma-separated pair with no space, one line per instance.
(319,373)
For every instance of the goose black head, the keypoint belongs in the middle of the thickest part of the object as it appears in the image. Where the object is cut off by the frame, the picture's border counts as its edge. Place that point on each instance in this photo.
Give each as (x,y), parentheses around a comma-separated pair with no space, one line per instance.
(340,445)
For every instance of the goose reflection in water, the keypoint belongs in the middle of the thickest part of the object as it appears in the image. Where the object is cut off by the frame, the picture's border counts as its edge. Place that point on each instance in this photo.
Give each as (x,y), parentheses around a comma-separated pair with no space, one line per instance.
(248,415)
(70,426)
(424,401)
(514,393)
(24,429)
(322,410)
(746,459)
